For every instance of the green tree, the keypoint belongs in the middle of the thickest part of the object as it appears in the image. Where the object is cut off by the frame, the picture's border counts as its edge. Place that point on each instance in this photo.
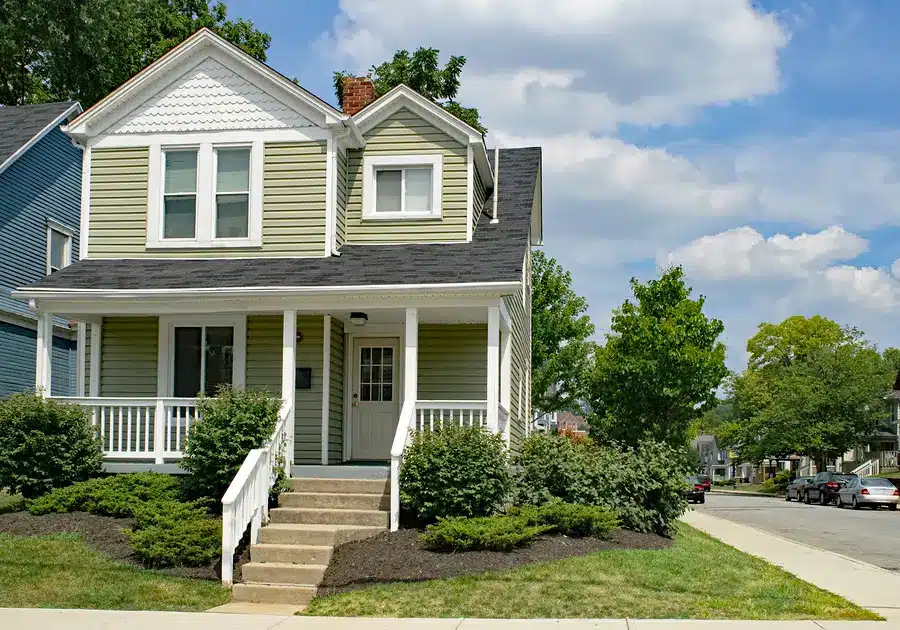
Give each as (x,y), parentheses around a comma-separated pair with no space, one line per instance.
(59,49)
(660,367)
(421,71)
(560,337)
(816,399)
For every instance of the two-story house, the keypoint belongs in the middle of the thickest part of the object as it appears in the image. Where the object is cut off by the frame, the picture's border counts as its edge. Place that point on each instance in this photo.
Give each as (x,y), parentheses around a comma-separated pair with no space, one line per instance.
(40,193)
(372,266)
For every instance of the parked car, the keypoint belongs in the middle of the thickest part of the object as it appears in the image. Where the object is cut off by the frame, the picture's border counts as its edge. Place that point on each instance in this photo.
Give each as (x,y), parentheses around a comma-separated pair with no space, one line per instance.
(871,492)
(797,488)
(825,486)
(705,481)
(694,492)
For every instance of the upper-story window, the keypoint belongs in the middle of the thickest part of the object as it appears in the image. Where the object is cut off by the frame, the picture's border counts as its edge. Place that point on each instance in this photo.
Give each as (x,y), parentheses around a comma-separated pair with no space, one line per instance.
(59,247)
(402,187)
(208,195)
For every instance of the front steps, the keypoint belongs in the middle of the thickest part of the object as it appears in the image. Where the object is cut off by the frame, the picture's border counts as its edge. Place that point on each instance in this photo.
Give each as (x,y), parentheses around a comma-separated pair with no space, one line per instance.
(288,563)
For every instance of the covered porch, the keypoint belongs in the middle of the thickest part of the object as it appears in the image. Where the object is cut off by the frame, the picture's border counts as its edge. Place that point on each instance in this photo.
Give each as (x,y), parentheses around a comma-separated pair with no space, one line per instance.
(344,373)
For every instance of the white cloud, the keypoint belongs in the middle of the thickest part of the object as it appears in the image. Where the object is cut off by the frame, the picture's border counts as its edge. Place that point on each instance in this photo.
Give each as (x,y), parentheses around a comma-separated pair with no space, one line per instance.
(551,67)
(744,252)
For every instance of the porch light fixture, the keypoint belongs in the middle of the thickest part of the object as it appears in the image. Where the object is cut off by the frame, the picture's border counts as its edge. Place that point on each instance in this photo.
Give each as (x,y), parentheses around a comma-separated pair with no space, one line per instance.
(358,319)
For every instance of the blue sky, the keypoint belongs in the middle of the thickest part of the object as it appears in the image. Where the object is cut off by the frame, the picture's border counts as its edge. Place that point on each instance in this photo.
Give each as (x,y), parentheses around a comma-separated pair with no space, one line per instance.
(756,143)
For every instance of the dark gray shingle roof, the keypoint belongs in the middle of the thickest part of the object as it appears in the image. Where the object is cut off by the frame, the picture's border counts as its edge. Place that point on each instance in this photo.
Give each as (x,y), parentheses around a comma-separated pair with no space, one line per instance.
(495,254)
(20,124)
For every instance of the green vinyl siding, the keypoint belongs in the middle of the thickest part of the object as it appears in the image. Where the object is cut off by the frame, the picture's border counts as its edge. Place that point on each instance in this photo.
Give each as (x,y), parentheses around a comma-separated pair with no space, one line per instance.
(129,354)
(452,362)
(405,133)
(478,197)
(293,205)
(336,398)
(520,370)
(341,176)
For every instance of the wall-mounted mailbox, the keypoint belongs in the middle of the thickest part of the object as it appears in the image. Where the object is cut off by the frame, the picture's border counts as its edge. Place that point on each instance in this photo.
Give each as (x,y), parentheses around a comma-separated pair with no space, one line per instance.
(304,378)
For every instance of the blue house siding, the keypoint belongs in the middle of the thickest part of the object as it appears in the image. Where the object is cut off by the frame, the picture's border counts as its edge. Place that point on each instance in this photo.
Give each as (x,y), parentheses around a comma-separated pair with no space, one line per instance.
(44,183)
(17,348)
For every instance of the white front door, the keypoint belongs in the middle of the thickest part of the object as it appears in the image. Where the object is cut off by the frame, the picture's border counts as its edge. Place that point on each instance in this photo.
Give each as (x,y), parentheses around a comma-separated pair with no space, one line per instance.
(375,398)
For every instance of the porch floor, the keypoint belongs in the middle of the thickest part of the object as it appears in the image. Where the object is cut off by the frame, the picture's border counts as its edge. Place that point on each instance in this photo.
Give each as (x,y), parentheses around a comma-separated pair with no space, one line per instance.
(361,470)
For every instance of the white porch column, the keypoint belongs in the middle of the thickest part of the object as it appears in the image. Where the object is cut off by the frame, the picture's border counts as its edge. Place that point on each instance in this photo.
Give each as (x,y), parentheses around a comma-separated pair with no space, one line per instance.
(505,365)
(411,356)
(493,369)
(44,354)
(96,341)
(288,375)
(326,386)
(80,385)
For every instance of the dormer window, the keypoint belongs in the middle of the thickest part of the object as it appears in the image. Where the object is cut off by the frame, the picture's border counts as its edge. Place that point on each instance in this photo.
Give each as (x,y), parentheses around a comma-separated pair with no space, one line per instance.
(402,187)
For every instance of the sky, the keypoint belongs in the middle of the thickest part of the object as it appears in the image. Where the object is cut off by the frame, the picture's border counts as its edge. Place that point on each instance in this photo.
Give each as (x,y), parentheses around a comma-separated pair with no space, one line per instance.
(755,143)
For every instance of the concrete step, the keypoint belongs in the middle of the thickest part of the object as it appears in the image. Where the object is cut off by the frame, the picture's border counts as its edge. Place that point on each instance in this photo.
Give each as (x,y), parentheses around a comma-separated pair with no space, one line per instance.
(281,573)
(273,594)
(371,518)
(341,486)
(314,534)
(345,501)
(291,554)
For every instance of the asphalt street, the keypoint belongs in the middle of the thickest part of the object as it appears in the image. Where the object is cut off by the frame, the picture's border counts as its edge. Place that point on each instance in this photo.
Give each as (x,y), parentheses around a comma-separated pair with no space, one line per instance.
(867,535)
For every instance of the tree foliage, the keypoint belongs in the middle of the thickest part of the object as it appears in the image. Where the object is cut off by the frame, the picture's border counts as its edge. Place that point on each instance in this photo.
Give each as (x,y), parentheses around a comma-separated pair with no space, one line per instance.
(810,387)
(560,338)
(660,367)
(53,50)
(421,71)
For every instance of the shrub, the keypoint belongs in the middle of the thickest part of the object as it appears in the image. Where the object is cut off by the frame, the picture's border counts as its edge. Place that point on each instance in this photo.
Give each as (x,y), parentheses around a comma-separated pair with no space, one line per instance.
(171,533)
(11,503)
(642,485)
(455,471)
(725,483)
(117,495)
(487,533)
(44,445)
(570,519)
(234,423)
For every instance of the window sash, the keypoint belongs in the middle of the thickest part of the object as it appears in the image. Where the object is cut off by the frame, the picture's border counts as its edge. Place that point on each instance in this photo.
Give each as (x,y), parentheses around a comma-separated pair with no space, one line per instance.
(58,255)
(200,381)
(404,196)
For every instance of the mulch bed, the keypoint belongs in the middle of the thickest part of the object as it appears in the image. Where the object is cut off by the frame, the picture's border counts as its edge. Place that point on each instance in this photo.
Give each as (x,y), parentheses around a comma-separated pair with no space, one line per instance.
(101,533)
(399,557)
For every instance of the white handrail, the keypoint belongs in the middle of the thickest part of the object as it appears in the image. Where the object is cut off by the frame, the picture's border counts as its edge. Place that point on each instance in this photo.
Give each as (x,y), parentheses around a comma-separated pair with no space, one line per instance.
(869,469)
(404,428)
(246,501)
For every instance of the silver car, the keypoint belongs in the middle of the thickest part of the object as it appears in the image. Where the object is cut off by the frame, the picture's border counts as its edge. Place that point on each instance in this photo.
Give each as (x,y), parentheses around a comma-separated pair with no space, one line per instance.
(869,492)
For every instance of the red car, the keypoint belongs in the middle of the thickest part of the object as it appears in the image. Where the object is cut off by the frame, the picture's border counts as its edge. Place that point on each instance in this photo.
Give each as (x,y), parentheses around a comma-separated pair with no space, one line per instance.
(705,481)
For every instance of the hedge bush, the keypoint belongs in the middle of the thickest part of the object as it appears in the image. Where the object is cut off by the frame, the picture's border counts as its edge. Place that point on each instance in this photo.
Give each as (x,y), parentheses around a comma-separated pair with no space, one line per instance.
(486,533)
(235,422)
(116,495)
(454,471)
(643,486)
(172,533)
(570,519)
(44,445)
(724,483)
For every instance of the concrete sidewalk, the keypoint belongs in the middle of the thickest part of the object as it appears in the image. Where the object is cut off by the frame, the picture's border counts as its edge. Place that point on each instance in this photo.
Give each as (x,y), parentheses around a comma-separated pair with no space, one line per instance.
(863,584)
(28,619)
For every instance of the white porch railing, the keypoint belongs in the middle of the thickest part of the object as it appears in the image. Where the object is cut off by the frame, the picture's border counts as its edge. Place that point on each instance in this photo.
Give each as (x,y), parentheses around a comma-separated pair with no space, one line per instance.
(140,428)
(434,414)
(869,469)
(246,502)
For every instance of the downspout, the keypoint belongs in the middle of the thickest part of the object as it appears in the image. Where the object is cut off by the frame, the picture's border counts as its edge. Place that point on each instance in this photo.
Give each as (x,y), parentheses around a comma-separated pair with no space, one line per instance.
(494,218)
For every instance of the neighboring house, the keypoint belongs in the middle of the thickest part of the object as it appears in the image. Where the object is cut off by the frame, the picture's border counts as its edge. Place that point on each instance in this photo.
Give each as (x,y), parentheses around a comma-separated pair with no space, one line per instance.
(716,461)
(567,421)
(40,205)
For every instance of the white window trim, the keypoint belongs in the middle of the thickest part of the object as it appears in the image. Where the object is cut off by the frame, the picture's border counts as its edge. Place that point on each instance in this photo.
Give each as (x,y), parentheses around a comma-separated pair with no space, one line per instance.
(166,357)
(373,163)
(206,203)
(56,226)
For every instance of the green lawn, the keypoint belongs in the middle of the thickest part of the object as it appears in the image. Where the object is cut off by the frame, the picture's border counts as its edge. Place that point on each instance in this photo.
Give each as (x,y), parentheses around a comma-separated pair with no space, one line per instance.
(63,572)
(698,577)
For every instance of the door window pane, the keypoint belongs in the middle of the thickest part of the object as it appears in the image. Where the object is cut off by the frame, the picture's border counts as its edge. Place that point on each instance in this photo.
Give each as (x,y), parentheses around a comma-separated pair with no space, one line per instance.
(187,375)
(219,358)
(376,375)
(418,190)
(388,190)
(232,193)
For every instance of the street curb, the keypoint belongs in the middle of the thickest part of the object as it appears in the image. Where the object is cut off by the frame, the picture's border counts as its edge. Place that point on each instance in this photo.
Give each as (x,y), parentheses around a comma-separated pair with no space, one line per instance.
(748,493)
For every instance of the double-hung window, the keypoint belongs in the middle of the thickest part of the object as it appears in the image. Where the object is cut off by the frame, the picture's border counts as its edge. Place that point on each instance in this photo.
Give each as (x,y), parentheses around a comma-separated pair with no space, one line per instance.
(203,354)
(180,194)
(232,192)
(59,247)
(402,187)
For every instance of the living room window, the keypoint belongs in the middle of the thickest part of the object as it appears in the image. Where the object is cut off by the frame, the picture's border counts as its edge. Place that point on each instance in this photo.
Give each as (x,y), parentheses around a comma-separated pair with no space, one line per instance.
(402,187)
(202,354)
(208,195)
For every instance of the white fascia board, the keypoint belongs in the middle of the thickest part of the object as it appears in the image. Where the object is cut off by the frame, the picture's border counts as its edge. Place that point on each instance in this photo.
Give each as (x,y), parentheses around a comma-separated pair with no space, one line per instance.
(113,107)
(74,109)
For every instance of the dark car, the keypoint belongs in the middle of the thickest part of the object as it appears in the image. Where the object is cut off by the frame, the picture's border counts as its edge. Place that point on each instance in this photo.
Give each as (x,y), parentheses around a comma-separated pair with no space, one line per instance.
(797,488)
(705,481)
(694,492)
(825,486)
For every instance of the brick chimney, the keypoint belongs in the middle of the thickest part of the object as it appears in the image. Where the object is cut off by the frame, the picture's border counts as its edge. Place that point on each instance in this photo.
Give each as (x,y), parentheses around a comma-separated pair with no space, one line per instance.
(357,92)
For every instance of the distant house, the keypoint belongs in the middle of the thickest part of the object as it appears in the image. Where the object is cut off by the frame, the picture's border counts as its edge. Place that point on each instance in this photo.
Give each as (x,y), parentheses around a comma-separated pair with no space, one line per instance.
(717,461)
(569,422)
(40,207)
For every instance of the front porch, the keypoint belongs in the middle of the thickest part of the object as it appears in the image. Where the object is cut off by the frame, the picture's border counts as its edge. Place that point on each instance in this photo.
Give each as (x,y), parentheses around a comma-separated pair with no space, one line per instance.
(346,374)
